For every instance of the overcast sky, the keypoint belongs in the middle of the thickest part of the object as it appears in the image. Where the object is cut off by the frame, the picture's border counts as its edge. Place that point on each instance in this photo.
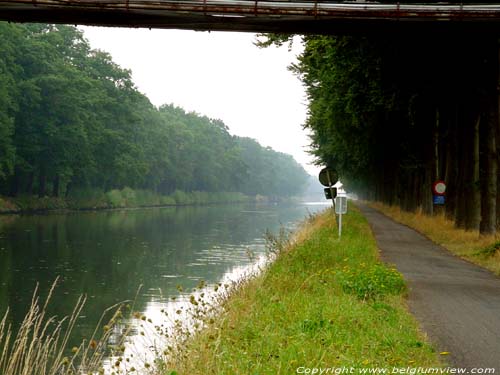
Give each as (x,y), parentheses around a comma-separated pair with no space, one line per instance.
(218,74)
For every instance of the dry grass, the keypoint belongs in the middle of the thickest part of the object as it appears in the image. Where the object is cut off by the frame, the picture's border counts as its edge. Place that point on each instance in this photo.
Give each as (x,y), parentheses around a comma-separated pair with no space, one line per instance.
(467,244)
(40,346)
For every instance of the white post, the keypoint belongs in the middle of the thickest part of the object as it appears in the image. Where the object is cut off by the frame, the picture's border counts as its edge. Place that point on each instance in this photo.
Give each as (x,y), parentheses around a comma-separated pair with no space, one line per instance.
(340,225)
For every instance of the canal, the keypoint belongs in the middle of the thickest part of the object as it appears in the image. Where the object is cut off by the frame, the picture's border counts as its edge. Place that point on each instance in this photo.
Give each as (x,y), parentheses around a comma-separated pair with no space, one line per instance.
(108,255)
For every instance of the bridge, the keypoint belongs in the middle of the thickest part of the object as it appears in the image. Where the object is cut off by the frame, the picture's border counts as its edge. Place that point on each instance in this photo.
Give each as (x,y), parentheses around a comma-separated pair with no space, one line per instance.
(303,16)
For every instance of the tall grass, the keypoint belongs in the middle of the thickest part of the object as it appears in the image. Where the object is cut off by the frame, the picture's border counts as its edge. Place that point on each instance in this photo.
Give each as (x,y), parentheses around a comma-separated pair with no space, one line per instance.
(40,345)
(481,250)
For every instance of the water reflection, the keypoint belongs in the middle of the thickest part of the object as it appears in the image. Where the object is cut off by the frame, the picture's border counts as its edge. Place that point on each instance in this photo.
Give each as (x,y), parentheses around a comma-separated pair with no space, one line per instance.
(107,255)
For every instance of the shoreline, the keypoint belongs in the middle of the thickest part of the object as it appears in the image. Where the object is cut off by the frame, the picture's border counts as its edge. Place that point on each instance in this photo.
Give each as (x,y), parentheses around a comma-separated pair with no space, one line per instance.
(36,205)
(40,211)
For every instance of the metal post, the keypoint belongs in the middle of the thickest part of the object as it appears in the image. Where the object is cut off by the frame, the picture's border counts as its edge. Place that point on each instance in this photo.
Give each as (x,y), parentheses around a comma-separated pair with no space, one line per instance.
(340,224)
(331,190)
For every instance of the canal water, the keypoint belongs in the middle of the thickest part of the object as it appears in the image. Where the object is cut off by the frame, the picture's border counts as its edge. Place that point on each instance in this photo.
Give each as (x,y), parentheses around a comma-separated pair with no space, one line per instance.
(108,255)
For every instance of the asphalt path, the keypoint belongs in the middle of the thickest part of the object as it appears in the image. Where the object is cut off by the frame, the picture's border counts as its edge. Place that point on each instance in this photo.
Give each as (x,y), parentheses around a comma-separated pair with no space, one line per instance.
(456,303)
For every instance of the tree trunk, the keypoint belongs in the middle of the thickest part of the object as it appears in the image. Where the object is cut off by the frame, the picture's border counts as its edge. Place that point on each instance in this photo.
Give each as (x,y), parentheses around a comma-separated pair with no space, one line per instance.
(55,186)
(451,176)
(42,183)
(489,185)
(473,199)
(30,183)
(463,172)
(16,181)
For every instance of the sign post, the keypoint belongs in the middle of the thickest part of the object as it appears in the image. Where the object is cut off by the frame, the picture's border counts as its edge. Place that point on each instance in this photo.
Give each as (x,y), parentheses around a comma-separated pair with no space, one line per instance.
(341,208)
(328,177)
(438,192)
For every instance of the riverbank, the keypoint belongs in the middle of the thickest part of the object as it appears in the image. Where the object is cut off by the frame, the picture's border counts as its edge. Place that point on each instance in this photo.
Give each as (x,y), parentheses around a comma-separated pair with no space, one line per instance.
(481,250)
(323,303)
(93,199)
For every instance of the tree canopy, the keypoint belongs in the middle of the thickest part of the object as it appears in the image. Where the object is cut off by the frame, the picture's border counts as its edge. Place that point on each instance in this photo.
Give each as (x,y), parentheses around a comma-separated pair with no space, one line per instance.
(395,113)
(71,118)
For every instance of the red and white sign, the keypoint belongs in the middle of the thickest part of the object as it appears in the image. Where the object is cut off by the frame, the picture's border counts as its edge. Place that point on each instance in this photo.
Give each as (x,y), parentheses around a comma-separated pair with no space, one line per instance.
(439,188)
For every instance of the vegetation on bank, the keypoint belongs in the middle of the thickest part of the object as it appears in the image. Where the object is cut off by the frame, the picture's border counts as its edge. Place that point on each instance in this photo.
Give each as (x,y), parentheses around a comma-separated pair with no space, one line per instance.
(72,120)
(94,199)
(321,303)
(481,250)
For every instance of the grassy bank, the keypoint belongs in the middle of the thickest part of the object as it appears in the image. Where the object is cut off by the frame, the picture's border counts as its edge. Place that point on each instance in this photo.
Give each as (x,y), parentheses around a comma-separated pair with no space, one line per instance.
(322,303)
(481,250)
(124,198)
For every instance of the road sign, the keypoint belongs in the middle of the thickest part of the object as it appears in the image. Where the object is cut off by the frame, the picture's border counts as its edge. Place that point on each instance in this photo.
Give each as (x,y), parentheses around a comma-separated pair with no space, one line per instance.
(328,177)
(439,188)
(329,192)
(438,199)
(341,205)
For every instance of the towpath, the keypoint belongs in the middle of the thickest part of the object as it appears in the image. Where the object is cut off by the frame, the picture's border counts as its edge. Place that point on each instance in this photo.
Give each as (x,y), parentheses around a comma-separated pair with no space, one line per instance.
(456,302)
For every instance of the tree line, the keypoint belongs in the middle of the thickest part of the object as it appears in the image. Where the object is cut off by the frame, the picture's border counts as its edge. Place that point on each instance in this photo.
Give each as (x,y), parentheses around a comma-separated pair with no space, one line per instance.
(72,119)
(395,113)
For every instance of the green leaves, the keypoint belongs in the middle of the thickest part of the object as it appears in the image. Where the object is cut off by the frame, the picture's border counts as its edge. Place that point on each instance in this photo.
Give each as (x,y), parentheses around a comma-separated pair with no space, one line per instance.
(72,119)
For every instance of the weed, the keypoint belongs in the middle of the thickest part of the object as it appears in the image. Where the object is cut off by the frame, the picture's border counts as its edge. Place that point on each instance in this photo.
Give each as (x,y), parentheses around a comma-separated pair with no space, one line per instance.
(490,250)
(40,346)
(371,281)
(276,244)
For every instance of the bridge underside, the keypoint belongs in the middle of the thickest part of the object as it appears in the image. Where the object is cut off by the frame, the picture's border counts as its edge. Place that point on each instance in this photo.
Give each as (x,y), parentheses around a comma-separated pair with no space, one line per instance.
(259,16)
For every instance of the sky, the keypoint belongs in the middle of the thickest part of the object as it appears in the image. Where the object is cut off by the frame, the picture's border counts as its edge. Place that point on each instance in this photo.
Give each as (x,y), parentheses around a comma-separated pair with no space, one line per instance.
(221,75)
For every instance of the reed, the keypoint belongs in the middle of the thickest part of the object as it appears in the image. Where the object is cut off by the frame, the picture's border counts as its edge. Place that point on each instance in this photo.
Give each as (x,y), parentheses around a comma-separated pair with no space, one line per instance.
(40,345)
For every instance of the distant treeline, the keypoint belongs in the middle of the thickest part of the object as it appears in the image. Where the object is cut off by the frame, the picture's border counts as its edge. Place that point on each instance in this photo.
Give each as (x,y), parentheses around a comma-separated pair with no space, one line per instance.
(72,119)
(395,113)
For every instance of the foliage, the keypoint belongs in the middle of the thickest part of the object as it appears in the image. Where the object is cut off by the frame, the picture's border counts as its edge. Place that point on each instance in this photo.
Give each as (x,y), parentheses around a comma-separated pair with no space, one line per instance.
(7,206)
(82,199)
(115,199)
(71,120)
(388,112)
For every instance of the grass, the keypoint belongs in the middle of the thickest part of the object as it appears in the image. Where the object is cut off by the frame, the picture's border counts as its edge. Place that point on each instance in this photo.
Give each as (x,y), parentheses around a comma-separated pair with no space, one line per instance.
(40,345)
(481,250)
(321,303)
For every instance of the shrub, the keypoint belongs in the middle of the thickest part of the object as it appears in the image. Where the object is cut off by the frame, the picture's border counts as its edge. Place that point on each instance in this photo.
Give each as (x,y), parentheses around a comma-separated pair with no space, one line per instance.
(129,197)
(86,198)
(147,198)
(114,198)
(33,203)
(166,200)
(181,198)
(7,206)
